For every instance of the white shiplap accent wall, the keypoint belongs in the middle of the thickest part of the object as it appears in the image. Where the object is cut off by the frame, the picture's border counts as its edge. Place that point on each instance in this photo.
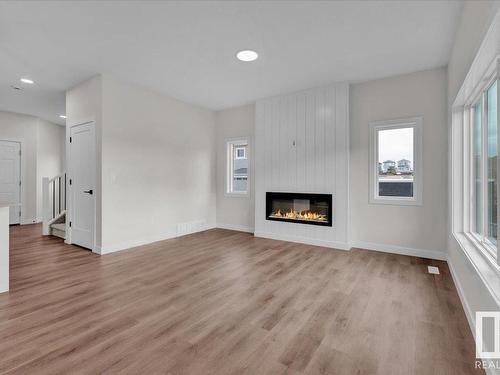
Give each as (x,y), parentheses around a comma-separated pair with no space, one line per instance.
(318,121)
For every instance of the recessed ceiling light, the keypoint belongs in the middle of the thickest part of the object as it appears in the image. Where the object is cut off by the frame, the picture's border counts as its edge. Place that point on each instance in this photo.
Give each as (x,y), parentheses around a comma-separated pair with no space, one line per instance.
(27,80)
(247,55)
(62,116)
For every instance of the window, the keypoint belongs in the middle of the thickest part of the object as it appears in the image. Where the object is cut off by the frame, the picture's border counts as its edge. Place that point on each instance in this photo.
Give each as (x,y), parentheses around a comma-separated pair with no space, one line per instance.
(476,224)
(240,152)
(483,168)
(473,169)
(237,167)
(396,162)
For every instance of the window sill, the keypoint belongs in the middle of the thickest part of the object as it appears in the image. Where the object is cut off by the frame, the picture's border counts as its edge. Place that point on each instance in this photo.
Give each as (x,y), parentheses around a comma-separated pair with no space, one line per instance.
(237,195)
(483,263)
(396,201)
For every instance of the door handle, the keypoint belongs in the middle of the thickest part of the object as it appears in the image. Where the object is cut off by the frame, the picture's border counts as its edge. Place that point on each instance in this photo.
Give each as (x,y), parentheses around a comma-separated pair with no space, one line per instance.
(89,191)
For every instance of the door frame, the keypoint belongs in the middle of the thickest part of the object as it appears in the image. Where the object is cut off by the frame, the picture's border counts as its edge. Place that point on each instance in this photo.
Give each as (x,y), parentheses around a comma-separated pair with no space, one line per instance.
(22,169)
(69,188)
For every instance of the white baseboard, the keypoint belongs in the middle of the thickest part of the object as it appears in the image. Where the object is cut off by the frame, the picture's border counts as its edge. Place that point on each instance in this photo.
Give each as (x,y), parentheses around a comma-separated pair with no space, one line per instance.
(28,221)
(240,228)
(468,312)
(421,253)
(304,240)
(107,249)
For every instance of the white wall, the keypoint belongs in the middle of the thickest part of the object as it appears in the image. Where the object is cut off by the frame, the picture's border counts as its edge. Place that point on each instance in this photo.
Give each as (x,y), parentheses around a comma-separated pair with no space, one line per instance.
(476,20)
(158,166)
(235,212)
(14,126)
(418,230)
(50,155)
(42,156)
(317,120)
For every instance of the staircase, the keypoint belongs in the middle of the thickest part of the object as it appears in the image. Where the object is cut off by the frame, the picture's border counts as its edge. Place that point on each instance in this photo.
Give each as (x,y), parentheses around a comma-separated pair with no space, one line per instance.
(54,206)
(58,230)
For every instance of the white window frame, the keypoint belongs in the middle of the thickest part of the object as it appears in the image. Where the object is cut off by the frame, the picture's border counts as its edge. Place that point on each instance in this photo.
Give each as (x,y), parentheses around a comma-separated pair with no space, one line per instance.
(480,240)
(479,264)
(231,146)
(375,126)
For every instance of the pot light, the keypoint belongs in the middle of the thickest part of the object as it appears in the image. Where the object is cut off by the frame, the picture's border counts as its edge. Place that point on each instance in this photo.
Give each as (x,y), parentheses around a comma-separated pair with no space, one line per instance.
(247,55)
(27,80)
(62,116)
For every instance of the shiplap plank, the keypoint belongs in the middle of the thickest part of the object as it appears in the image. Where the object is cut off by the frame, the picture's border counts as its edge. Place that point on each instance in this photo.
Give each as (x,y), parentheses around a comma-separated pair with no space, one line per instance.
(301,142)
(330,146)
(282,143)
(310,139)
(292,142)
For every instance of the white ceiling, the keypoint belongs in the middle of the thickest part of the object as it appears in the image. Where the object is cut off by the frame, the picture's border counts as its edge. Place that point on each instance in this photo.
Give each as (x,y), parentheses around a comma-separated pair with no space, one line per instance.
(187,49)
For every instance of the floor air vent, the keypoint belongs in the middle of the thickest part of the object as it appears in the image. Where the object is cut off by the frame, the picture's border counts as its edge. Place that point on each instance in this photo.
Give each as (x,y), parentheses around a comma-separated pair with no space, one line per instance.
(433,270)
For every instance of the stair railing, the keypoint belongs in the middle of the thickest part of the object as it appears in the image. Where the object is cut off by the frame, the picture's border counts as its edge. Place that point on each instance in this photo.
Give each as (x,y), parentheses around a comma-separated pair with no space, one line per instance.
(54,200)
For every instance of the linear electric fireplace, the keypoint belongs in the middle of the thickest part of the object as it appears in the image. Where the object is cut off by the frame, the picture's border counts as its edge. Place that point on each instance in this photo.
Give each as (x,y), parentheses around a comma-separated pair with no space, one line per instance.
(314,209)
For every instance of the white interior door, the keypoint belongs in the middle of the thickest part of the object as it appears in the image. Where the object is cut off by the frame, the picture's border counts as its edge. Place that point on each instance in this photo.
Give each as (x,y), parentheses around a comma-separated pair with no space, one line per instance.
(82,175)
(10,179)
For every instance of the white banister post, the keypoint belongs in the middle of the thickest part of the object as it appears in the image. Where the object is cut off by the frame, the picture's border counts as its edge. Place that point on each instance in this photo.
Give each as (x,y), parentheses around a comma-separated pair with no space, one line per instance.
(45,206)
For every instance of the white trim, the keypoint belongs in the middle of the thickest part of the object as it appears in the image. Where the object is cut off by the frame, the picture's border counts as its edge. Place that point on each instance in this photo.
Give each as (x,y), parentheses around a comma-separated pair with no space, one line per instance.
(375,126)
(482,247)
(69,198)
(463,298)
(480,264)
(107,249)
(22,168)
(305,240)
(469,313)
(237,194)
(239,228)
(25,221)
(478,97)
(484,269)
(81,121)
(480,267)
(487,271)
(402,250)
(231,144)
(4,248)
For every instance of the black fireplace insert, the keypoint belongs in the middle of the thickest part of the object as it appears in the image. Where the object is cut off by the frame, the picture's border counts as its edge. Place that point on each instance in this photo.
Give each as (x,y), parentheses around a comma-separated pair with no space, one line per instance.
(304,208)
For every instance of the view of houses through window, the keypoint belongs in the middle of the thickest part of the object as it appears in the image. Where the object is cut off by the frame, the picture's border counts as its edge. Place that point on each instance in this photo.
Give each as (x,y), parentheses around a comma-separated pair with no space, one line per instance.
(484,151)
(237,167)
(477,188)
(395,162)
(491,109)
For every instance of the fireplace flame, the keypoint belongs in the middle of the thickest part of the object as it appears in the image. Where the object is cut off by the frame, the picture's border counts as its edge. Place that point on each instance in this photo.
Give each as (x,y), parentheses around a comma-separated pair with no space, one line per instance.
(299,215)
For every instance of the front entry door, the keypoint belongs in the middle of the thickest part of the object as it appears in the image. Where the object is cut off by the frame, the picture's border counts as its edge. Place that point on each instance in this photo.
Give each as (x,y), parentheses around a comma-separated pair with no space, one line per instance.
(82,175)
(10,179)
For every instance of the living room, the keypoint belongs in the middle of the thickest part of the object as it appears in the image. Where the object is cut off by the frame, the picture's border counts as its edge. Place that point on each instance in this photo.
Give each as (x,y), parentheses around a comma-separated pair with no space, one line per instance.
(249,187)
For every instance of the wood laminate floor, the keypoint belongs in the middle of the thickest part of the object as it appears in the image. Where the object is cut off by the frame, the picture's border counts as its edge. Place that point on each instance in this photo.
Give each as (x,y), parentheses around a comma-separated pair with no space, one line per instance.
(223,302)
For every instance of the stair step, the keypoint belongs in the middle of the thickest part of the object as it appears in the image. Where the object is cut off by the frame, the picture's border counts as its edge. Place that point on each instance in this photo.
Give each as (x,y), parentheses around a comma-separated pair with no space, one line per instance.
(58,233)
(59,226)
